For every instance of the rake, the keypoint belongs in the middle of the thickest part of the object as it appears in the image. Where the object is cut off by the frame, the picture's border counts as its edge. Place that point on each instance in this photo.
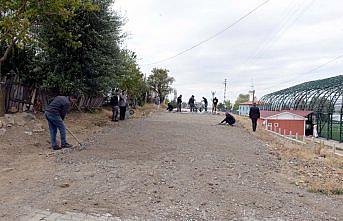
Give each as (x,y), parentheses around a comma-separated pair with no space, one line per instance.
(79,142)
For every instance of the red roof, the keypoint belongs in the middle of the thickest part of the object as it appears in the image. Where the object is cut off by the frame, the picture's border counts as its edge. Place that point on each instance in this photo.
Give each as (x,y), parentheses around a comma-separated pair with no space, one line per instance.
(265,114)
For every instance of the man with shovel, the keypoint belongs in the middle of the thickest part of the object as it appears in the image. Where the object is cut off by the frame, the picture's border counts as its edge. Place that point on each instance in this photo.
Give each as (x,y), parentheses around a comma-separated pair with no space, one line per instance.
(55,114)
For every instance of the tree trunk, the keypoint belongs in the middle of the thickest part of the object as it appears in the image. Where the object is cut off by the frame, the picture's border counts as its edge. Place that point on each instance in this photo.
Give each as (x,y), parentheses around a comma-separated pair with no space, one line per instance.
(2,84)
(2,99)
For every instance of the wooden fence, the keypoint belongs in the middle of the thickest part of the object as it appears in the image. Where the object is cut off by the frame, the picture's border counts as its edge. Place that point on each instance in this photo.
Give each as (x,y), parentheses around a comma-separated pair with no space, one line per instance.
(20,97)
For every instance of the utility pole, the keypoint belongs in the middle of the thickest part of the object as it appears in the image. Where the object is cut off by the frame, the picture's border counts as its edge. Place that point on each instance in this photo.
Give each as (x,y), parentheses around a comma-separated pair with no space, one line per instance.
(213,93)
(225,81)
(252,91)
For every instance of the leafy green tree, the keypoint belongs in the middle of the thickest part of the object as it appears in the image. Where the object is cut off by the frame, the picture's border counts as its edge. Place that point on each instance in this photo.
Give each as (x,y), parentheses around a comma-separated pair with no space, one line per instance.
(68,46)
(19,18)
(130,78)
(85,55)
(221,107)
(228,105)
(240,99)
(160,82)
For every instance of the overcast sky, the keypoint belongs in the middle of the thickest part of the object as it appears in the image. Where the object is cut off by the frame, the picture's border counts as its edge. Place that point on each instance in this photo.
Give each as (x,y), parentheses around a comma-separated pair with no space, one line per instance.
(275,47)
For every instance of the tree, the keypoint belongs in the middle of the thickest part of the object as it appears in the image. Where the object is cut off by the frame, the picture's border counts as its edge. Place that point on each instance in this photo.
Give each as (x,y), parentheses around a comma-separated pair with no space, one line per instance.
(221,107)
(68,46)
(18,19)
(228,105)
(240,99)
(130,78)
(85,56)
(160,82)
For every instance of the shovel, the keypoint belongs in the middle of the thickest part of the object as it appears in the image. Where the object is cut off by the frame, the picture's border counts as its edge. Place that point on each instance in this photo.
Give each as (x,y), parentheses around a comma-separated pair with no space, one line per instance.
(79,142)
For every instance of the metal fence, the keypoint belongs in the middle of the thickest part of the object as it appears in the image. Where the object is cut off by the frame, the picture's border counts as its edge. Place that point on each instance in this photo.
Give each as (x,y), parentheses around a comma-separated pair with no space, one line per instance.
(324,97)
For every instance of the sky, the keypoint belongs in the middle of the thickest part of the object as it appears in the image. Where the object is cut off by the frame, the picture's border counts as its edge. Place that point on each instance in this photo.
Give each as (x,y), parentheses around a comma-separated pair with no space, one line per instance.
(281,44)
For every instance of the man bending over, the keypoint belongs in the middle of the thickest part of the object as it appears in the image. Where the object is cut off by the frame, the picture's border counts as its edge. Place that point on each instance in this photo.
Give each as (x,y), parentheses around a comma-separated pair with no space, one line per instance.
(229,119)
(55,114)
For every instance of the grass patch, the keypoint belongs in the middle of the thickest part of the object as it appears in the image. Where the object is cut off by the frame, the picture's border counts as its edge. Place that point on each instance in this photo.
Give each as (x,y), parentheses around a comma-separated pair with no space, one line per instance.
(337,191)
(317,167)
(329,188)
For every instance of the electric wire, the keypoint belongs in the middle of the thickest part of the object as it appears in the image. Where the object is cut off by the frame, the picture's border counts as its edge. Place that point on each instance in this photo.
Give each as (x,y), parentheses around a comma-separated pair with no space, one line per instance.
(211,37)
(308,72)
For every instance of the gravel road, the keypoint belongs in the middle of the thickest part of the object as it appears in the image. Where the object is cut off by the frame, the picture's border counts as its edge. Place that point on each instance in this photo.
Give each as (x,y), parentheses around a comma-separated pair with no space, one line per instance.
(169,166)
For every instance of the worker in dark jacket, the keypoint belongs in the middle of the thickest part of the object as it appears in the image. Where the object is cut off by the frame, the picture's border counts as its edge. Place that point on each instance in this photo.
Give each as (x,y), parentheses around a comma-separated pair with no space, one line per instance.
(122,105)
(55,114)
(179,103)
(254,114)
(205,103)
(115,105)
(191,103)
(229,119)
(170,107)
(214,105)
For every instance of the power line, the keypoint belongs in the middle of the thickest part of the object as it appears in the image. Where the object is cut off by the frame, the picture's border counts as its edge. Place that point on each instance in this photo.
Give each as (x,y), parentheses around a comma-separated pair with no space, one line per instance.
(293,14)
(322,65)
(211,37)
(310,71)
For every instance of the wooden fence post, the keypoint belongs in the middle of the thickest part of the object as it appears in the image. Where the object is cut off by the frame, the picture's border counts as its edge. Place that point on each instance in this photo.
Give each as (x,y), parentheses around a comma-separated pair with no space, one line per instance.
(334,148)
(2,98)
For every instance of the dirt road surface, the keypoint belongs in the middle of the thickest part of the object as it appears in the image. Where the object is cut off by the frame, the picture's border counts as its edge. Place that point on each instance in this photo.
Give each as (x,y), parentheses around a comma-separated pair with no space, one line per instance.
(165,167)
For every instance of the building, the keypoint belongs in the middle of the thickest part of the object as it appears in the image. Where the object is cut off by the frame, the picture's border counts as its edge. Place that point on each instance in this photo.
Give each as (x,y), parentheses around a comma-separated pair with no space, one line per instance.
(324,97)
(244,107)
(288,122)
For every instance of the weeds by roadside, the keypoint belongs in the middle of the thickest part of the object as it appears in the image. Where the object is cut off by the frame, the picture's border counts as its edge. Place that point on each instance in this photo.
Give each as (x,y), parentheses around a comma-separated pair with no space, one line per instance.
(312,167)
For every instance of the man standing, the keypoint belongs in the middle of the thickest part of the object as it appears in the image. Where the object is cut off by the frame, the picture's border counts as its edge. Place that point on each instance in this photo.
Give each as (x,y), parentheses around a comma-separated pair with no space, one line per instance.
(191,103)
(215,103)
(158,102)
(115,105)
(55,114)
(122,105)
(205,103)
(254,114)
(179,103)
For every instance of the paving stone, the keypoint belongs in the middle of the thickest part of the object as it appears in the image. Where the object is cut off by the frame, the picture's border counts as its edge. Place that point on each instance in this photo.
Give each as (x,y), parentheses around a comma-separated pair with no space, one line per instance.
(42,215)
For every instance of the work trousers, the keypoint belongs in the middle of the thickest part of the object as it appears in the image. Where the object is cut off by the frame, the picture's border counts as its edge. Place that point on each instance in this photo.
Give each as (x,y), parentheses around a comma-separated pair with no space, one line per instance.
(56,123)
(122,113)
(214,108)
(178,108)
(115,113)
(254,123)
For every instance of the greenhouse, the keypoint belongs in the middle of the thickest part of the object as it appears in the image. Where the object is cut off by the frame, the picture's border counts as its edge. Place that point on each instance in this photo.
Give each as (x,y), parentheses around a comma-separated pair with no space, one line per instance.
(324,97)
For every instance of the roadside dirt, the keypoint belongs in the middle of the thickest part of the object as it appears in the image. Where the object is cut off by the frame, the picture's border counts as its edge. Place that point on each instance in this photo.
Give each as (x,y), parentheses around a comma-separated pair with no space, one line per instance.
(164,167)
(309,165)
